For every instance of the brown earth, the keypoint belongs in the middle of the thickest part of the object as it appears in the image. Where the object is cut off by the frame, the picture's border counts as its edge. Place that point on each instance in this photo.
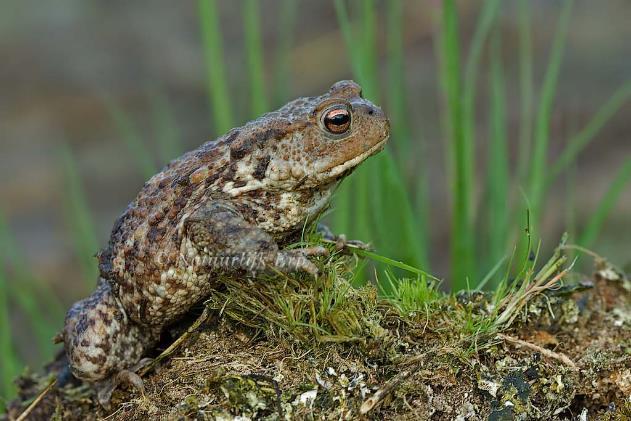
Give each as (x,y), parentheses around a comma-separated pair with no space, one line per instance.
(568,355)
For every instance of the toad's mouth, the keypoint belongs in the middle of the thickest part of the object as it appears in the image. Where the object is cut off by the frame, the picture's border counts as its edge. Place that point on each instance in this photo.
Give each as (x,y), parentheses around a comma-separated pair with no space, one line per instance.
(347,167)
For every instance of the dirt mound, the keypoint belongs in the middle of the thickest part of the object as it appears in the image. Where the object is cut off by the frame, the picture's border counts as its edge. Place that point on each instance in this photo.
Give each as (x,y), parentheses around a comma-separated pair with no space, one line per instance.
(295,349)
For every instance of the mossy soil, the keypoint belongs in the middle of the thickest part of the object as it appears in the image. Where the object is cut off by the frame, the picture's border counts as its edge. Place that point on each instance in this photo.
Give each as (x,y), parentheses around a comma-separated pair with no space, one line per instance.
(273,354)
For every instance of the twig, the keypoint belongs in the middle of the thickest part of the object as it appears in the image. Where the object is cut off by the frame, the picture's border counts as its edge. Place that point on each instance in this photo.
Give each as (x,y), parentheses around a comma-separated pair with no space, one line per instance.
(546,352)
(37,400)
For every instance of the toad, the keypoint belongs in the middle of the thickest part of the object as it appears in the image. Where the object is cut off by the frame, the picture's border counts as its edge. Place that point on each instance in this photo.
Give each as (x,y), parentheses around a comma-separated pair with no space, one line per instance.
(230,206)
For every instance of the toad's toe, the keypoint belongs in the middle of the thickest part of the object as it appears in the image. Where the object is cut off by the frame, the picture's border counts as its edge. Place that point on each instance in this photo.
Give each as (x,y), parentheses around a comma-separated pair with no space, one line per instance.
(123,377)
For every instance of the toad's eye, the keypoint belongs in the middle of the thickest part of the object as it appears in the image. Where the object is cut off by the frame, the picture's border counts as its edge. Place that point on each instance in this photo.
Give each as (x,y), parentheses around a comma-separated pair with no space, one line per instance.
(337,120)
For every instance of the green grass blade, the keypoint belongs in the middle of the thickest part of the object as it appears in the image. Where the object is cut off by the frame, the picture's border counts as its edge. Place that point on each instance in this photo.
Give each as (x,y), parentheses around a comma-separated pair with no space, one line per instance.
(498,175)
(78,217)
(401,137)
(595,223)
(347,33)
(363,61)
(404,238)
(342,208)
(368,182)
(461,181)
(10,364)
(484,24)
(342,217)
(544,113)
(420,214)
(361,47)
(526,93)
(379,177)
(396,80)
(369,50)
(167,133)
(525,89)
(132,139)
(579,141)
(282,74)
(213,55)
(254,56)
(391,262)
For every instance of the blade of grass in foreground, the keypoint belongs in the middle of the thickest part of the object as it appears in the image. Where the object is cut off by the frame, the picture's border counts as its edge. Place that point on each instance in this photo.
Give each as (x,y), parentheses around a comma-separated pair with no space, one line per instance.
(594,225)
(131,138)
(391,262)
(497,178)
(213,55)
(461,182)
(544,113)
(78,217)
(254,56)
(579,141)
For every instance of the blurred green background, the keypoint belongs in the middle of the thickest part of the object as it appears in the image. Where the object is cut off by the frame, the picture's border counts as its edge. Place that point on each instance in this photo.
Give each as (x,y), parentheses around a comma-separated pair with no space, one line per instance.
(497,107)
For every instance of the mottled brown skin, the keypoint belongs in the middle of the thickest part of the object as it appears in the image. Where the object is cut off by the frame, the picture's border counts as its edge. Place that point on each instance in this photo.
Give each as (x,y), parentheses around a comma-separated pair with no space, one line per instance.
(245,194)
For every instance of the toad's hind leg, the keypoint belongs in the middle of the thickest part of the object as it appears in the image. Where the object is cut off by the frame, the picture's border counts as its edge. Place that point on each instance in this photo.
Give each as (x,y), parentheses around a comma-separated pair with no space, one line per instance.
(101,341)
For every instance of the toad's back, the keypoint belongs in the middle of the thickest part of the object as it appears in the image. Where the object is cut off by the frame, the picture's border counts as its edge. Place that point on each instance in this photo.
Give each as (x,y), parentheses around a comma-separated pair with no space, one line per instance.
(146,238)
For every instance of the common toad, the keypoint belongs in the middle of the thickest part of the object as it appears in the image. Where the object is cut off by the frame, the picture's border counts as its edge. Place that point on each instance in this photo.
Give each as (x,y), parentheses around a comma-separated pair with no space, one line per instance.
(231,205)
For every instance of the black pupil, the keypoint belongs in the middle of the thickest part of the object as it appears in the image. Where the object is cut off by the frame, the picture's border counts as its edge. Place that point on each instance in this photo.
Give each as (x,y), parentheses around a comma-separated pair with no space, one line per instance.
(338,119)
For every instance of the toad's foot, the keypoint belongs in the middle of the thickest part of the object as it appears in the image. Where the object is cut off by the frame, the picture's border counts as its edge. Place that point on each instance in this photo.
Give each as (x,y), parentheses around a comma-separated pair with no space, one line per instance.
(124,377)
(341,243)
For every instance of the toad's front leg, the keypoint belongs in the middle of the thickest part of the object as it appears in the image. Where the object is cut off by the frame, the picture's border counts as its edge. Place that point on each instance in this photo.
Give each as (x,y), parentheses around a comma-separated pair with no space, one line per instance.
(228,241)
(102,344)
